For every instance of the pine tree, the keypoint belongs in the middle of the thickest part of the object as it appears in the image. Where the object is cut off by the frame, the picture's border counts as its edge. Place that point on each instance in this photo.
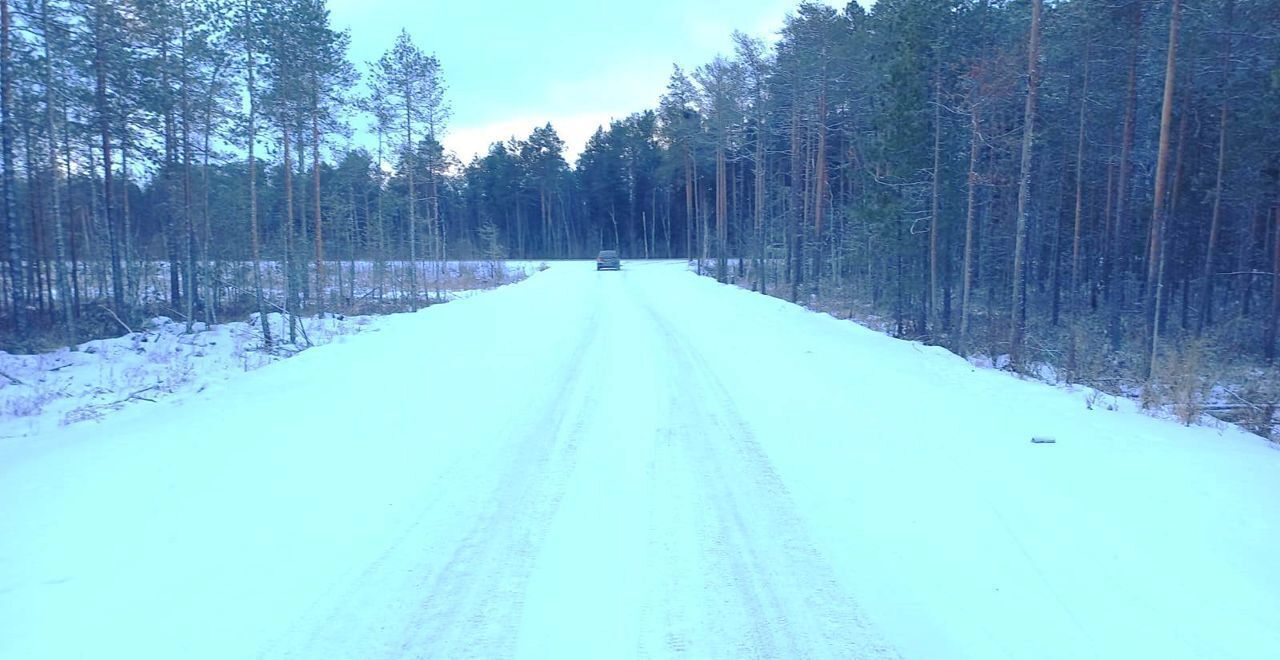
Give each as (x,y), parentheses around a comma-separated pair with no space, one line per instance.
(1018,311)
(408,80)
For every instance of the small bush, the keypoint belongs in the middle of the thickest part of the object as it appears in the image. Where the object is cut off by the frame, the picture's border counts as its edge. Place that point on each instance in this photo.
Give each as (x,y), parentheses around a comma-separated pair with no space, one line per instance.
(1178,382)
(26,400)
(1259,399)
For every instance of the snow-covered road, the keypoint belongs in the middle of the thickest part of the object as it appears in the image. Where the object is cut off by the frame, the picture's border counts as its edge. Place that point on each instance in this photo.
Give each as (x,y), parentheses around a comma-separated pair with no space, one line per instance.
(635,464)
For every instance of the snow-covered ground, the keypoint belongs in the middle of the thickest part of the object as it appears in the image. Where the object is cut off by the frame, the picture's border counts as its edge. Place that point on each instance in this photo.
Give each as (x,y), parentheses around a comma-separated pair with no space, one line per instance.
(41,392)
(149,280)
(642,463)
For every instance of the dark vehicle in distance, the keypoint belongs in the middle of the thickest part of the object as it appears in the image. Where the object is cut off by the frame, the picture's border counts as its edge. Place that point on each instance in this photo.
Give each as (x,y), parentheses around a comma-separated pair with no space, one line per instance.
(608,260)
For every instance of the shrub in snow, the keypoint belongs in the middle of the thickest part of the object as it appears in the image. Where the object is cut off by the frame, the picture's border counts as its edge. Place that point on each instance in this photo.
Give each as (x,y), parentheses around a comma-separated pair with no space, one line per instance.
(1178,382)
(27,404)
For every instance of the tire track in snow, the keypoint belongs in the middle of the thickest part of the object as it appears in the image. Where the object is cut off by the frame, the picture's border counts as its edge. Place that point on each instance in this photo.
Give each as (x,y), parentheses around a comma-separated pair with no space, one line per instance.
(466,605)
(783,599)
(732,572)
(473,602)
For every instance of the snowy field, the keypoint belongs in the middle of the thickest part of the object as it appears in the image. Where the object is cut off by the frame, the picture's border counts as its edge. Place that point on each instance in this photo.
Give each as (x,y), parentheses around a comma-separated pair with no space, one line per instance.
(41,392)
(635,464)
(148,281)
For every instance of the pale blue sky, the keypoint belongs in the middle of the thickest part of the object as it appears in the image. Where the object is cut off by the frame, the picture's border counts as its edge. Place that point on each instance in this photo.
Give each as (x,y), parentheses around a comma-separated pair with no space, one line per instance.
(513,65)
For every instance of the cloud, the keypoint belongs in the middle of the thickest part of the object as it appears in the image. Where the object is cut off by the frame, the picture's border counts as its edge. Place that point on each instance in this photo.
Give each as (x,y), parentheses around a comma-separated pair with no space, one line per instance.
(508,87)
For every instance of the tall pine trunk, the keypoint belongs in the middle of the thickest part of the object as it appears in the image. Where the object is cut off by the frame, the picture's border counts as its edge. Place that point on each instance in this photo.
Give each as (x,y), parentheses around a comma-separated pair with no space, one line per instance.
(104,125)
(970,230)
(759,205)
(12,235)
(1215,223)
(1155,255)
(1073,297)
(1115,272)
(55,195)
(795,224)
(1018,310)
(211,306)
(1269,341)
(688,202)
(820,181)
(410,154)
(722,206)
(291,288)
(935,199)
(321,280)
(193,286)
(253,190)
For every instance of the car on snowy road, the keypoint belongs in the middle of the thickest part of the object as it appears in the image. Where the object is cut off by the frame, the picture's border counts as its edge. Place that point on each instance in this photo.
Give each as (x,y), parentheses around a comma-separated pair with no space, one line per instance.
(608,260)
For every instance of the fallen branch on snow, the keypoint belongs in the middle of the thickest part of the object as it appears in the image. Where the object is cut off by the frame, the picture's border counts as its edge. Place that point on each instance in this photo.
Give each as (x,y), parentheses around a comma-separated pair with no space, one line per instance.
(117,318)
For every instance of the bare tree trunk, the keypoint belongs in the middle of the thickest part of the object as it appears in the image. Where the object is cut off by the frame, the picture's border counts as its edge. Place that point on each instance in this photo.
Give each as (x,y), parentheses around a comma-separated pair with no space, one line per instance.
(193,287)
(1156,252)
(321,280)
(297,267)
(253,190)
(211,308)
(795,224)
(932,292)
(1055,249)
(722,208)
(644,230)
(1169,241)
(410,156)
(651,248)
(1269,341)
(379,266)
(1113,270)
(700,230)
(521,249)
(35,255)
(666,218)
(1018,310)
(759,204)
(12,236)
(975,145)
(704,216)
(290,284)
(1215,223)
(820,183)
(104,124)
(132,270)
(564,224)
(170,162)
(353,240)
(1073,302)
(60,251)
(653,222)
(437,223)
(688,202)
(548,238)
(73,253)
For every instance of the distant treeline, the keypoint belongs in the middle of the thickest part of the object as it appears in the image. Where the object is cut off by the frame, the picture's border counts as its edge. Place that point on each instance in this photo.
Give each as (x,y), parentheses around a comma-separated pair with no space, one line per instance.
(1089,183)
